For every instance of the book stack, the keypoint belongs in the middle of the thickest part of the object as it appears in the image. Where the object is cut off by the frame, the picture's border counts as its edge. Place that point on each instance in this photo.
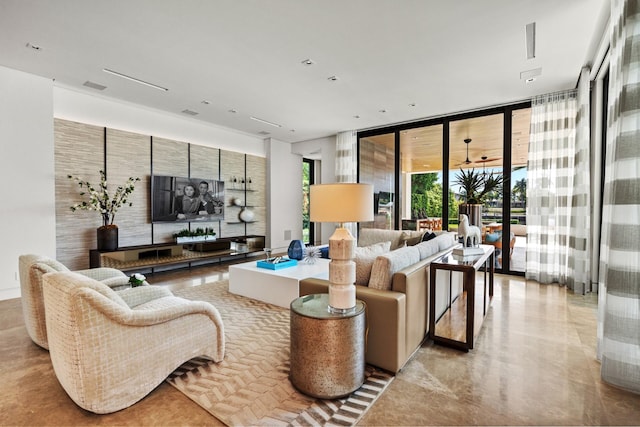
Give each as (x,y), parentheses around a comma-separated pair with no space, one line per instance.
(467,254)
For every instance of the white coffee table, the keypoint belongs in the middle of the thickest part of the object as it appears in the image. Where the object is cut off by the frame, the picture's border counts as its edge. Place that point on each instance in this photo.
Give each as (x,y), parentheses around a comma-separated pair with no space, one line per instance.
(278,287)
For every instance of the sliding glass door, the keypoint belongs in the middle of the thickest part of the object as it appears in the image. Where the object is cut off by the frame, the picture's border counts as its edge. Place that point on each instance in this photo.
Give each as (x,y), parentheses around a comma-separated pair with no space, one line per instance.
(308,174)
(421,186)
(377,161)
(415,170)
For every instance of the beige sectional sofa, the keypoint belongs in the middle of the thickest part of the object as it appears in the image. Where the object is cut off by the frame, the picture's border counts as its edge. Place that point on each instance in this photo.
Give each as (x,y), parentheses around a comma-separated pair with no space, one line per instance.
(397,295)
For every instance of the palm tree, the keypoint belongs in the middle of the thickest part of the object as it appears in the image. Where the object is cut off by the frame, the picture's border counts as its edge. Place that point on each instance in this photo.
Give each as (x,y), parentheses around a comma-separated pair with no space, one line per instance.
(520,190)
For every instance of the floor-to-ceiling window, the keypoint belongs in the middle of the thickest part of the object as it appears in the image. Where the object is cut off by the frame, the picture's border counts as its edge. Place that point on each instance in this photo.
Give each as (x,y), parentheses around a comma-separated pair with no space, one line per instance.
(307,180)
(421,178)
(377,167)
(521,122)
(414,168)
(475,149)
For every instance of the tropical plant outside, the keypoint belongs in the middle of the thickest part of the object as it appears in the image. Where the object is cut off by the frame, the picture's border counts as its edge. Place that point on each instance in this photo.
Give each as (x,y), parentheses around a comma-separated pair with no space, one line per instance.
(426,197)
(478,187)
(306,223)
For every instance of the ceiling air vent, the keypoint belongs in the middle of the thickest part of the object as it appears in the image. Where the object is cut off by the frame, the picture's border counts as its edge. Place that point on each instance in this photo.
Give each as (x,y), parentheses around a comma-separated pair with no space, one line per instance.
(93,85)
(530,75)
(530,36)
(190,112)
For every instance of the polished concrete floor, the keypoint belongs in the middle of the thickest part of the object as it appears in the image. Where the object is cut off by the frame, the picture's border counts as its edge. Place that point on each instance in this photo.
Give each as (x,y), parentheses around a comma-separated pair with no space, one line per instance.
(533,364)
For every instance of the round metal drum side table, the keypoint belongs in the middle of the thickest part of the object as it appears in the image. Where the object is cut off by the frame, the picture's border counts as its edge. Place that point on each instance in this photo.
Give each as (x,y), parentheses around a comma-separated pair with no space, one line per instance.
(327,349)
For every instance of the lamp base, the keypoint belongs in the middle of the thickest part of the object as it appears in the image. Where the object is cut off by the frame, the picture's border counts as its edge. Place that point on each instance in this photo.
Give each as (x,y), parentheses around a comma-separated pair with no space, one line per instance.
(342,298)
(342,271)
(334,310)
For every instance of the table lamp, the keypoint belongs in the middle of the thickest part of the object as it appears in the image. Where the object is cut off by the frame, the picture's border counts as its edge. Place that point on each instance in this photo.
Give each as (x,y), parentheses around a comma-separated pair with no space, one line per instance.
(342,202)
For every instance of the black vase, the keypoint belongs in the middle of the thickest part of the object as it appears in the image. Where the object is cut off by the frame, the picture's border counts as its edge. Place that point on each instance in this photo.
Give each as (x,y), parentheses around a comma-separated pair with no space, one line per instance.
(107,238)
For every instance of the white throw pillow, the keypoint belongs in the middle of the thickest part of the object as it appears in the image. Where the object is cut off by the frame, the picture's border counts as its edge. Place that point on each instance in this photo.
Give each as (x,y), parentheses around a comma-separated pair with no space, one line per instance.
(385,266)
(364,258)
(445,241)
(427,249)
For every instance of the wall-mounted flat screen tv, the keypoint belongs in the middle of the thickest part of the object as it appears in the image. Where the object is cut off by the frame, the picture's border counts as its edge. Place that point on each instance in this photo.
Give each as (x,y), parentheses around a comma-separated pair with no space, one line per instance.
(181,199)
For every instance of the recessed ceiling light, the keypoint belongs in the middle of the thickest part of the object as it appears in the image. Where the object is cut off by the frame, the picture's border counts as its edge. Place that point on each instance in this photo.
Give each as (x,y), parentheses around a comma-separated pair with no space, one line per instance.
(133,79)
(332,78)
(292,130)
(265,122)
(205,102)
(190,112)
(233,110)
(382,111)
(308,62)
(34,46)
(356,117)
(413,104)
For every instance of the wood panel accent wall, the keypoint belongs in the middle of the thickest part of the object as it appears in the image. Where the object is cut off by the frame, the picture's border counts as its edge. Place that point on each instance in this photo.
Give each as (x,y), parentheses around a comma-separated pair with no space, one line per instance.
(205,163)
(232,165)
(257,171)
(377,167)
(129,155)
(169,157)
(80,150)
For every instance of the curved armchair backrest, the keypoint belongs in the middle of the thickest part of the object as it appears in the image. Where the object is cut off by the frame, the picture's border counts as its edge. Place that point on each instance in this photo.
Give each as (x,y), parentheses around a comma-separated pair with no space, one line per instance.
(108,355)
(31,289)
(31,295)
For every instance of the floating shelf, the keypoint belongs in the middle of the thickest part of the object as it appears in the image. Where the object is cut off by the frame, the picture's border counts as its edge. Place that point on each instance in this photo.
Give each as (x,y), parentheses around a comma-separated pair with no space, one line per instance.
(240,189)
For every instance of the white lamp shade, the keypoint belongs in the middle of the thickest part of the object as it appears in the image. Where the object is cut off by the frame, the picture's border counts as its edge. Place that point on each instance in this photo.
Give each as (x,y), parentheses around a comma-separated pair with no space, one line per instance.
(341,202)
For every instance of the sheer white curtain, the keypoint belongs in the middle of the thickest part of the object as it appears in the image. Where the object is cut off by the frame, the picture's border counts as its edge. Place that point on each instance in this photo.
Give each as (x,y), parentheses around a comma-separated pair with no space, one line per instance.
(619,280)
(580,237)
(346,157)
(347,163)
(550,171)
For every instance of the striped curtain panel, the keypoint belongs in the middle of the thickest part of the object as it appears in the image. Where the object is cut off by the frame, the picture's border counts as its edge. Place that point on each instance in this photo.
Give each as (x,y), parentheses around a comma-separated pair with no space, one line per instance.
(347,164)
(346,157)
(619,280)
(579,250)
(550,171)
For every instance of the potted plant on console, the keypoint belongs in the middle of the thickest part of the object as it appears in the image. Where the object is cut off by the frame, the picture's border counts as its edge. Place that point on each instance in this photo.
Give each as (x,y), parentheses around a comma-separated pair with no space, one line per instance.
(107,205)
(193,236)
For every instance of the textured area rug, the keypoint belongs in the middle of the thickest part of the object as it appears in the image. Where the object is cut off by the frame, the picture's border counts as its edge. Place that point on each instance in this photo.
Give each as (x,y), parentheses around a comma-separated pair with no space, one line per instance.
(251,385)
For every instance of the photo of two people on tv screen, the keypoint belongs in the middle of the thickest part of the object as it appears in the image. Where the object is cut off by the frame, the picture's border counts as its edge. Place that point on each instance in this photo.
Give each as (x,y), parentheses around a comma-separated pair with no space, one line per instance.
(184,199)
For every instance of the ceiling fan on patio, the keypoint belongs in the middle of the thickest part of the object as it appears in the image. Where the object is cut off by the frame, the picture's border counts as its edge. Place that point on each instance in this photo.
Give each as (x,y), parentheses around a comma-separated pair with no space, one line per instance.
(467,141)
(484,160)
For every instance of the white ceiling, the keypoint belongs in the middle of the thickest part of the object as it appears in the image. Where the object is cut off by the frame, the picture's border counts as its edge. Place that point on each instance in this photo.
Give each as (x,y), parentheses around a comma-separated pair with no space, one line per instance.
(245,55)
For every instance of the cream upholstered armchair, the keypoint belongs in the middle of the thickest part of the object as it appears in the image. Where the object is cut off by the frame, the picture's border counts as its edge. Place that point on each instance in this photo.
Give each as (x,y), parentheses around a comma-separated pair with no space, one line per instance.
(31,290)
(110,349)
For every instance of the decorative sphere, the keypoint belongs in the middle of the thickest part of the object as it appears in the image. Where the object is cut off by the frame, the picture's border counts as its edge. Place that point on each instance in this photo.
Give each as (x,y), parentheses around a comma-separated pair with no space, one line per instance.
(246,215)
